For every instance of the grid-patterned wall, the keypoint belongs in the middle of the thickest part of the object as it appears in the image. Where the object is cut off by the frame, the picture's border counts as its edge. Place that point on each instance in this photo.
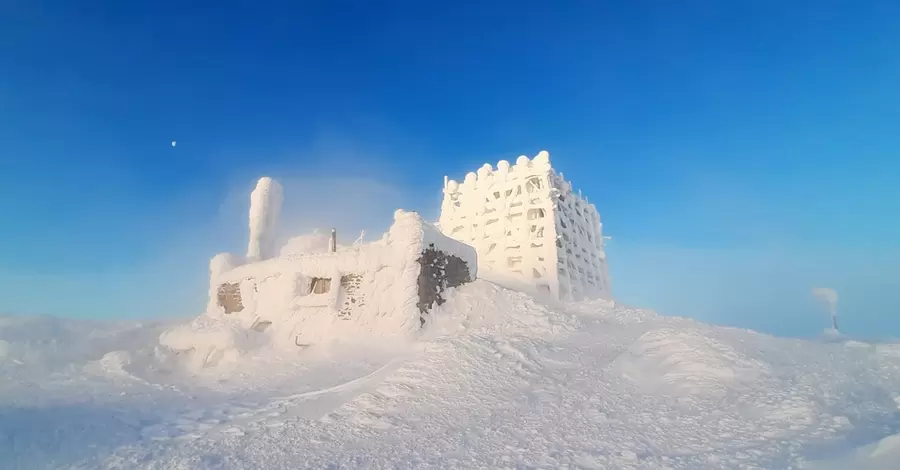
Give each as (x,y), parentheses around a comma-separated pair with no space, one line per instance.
(526,224)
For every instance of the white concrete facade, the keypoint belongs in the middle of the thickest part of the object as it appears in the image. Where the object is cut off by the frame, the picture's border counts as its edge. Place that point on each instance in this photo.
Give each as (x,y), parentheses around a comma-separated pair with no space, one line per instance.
(527,224)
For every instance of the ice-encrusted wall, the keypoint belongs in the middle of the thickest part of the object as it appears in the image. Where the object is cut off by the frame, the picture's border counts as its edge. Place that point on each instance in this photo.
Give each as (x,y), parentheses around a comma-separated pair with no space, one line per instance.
(527,224)
(310,294)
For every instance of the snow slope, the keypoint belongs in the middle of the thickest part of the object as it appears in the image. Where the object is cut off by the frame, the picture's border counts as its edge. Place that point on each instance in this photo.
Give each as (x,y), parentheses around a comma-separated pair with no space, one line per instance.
(497,380)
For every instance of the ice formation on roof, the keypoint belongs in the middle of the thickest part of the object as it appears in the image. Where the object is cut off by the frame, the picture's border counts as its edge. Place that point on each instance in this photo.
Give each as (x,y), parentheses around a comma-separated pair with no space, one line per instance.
(315,242)
(527,225)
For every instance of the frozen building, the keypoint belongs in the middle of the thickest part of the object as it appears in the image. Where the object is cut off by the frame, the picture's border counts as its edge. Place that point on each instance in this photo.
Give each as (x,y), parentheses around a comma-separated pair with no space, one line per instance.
(313,290)
(527,224)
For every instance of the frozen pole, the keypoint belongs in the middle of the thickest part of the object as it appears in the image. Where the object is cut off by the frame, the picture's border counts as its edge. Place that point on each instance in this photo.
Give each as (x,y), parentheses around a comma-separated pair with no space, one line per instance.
(332,243)
(830,297)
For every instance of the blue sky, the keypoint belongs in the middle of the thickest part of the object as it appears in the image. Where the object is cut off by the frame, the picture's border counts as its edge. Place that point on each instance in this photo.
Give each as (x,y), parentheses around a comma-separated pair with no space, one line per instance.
(740,153)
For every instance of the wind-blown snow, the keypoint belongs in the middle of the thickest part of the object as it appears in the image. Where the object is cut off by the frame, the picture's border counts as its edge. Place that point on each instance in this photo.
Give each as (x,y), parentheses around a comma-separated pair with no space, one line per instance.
(687,362)
(497,380)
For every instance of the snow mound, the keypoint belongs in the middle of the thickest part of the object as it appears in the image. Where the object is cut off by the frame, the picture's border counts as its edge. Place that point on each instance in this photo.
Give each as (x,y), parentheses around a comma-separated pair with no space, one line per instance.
(686,362)
(612,312)
(112,363)
(209,341)
(487,305)
(315,242)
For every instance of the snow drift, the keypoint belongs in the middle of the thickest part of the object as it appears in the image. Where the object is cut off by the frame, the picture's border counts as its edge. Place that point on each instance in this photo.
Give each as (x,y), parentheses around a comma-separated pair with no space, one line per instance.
(687,362)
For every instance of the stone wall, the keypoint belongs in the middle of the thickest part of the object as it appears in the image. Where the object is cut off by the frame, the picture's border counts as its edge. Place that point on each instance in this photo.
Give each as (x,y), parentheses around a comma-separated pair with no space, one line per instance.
(229,297)
(353,297)
(439,272)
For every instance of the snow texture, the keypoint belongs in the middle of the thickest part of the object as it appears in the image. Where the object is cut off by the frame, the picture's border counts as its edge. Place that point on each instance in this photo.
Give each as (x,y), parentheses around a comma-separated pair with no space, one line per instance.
(312,243)
(881,455)
(497,380)
(527,225)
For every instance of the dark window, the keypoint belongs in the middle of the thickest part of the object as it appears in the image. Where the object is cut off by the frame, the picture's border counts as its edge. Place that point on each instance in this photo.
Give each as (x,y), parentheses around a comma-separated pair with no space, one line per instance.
(320,285)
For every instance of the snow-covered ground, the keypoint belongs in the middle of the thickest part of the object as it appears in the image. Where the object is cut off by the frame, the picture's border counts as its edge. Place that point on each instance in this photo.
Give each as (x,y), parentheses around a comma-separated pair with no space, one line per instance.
(497,380)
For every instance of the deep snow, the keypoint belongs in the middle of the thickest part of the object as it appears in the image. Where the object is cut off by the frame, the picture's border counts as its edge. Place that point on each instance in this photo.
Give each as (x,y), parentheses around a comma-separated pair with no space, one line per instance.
(497,380)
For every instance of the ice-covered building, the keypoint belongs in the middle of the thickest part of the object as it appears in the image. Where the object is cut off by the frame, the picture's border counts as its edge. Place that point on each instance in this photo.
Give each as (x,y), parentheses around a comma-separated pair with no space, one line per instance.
(527,224)
(314,291)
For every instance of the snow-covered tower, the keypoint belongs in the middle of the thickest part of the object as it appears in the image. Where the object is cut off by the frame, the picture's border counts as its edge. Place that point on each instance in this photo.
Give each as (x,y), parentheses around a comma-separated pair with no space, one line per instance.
(527,224)
(265,210)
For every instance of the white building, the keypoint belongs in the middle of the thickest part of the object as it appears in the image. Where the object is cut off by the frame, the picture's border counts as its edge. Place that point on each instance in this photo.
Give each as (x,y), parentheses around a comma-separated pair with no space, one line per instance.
(527,225)
(313,291)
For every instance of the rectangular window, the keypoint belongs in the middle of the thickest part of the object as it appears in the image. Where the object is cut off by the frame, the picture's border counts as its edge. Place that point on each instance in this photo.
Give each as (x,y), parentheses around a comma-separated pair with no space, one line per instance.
(320,285)
(536,213)
(533,184)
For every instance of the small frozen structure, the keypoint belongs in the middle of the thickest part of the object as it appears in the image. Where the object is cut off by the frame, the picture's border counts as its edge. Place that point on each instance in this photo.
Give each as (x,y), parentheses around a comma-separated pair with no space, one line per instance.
(265,209)
(528,225)
(315,291)
(830,297)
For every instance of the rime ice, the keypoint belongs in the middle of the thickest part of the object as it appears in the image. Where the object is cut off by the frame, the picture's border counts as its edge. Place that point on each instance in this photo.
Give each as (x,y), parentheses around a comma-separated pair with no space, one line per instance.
(527,224)
(313,291)
(265,209)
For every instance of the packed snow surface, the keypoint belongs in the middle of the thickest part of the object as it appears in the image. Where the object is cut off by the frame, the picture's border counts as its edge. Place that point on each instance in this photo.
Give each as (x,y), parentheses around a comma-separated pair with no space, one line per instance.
(498,379)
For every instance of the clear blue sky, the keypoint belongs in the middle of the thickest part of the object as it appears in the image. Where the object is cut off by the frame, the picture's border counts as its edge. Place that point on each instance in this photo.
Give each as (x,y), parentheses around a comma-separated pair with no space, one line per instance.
(739,153)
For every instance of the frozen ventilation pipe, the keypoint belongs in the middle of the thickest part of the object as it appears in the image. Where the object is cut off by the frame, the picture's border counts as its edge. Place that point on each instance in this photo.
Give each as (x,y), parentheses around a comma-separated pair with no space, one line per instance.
(830,297)
(265,209)
(332,243)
